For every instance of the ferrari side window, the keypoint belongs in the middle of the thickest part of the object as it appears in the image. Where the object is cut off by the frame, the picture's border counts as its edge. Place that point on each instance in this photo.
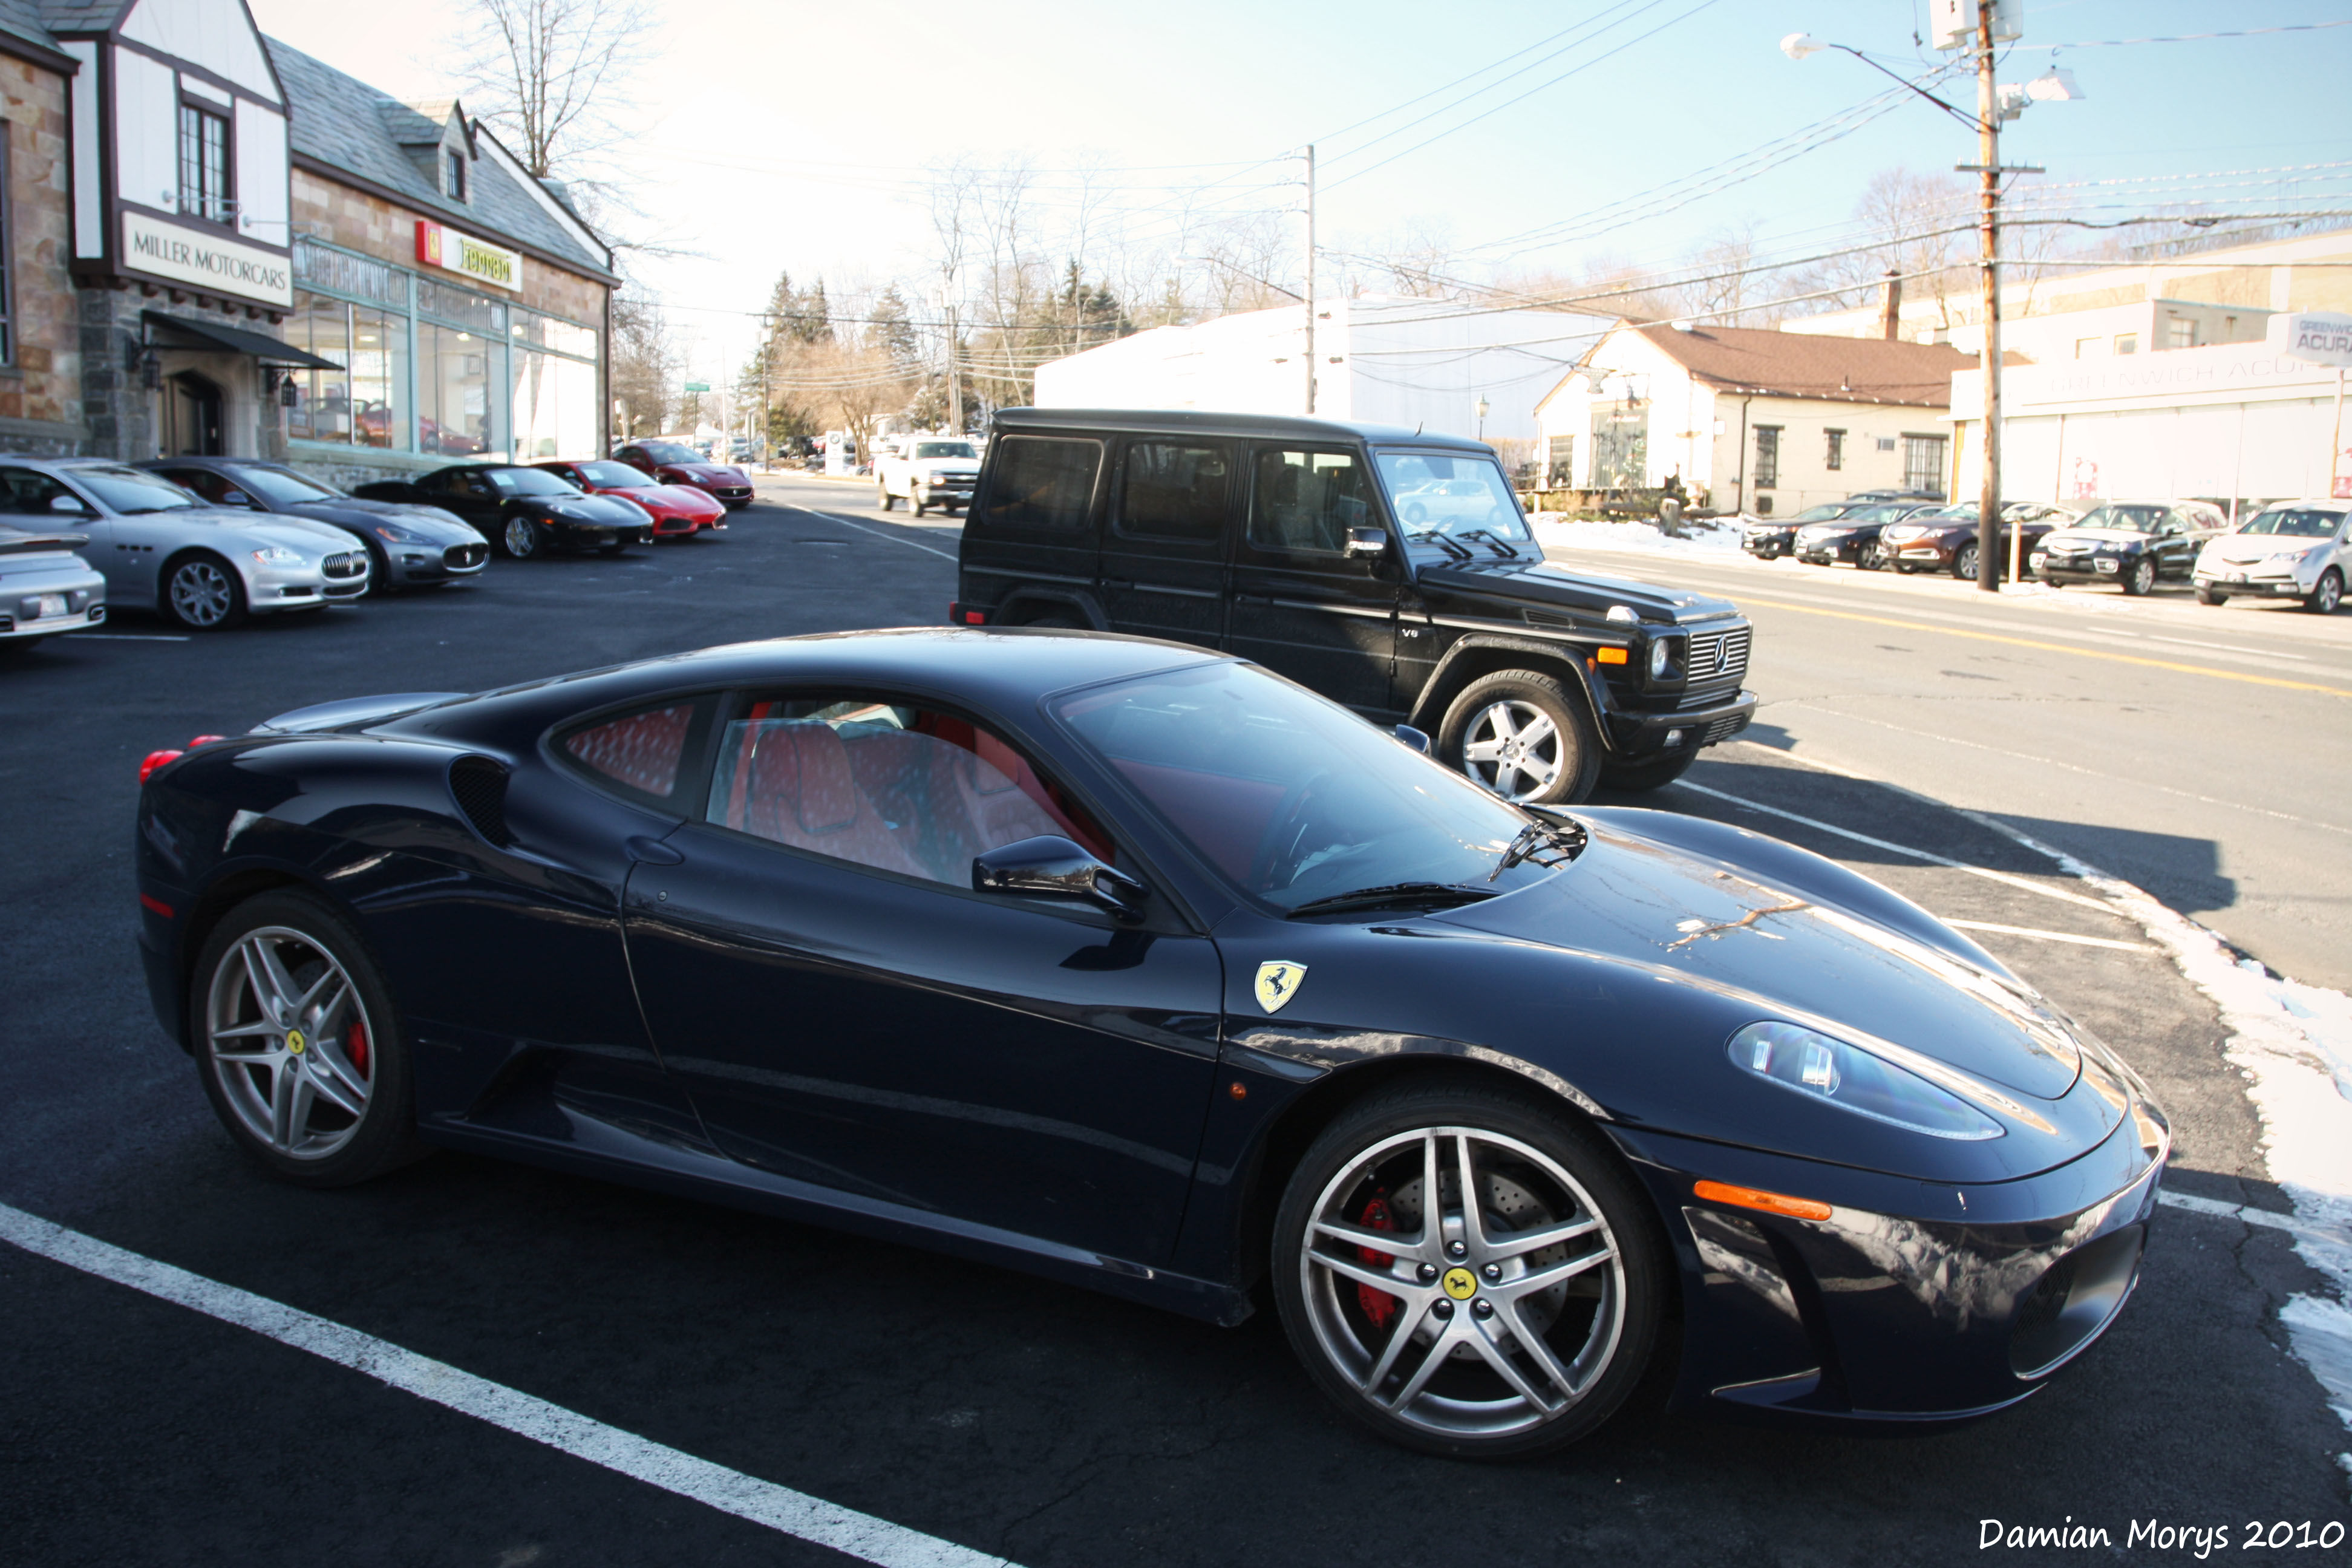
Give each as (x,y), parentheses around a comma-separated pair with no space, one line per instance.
(643,753)
(895,788)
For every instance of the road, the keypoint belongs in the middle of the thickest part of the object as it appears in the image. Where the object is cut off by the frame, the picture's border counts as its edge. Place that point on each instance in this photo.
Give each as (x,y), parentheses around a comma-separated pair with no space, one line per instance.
(983,1408)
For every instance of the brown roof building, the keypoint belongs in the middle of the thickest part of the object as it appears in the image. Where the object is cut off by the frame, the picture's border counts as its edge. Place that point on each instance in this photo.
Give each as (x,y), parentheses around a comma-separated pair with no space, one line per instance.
(1761,420)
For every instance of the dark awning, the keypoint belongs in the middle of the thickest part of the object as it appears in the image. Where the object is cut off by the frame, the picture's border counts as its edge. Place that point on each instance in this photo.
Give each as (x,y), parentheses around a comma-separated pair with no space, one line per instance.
(237,340)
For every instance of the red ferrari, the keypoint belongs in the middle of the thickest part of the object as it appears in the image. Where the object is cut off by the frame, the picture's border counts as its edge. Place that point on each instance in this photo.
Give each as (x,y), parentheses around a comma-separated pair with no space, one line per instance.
(679,511)
(672,463)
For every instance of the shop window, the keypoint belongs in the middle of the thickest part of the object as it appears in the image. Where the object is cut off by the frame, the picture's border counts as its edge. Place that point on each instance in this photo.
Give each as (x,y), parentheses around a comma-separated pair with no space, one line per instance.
(2126,342)
(1767,455)
(453,392)
(1833,455)
(1922,464)
(1560,470)
(204,166)
(2180,334)
(363,403)
(553,407)
(2090,348)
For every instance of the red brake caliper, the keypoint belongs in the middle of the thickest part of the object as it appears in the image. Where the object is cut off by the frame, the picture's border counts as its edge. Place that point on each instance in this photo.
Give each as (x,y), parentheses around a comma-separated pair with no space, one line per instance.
(355,1046)
(1378,1305)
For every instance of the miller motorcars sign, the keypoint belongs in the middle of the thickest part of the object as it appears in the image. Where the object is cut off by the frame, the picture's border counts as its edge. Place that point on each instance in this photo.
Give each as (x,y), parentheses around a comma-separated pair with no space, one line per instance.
(216,263)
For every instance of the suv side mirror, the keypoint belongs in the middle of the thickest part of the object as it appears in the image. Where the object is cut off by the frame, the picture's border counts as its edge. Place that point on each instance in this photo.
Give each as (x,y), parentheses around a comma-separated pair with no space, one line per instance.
(1367,543)
(1052,866)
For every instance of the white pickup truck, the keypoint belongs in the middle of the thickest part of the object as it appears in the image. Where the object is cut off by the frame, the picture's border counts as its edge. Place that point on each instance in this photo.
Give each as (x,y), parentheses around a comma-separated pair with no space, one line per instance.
(929,471)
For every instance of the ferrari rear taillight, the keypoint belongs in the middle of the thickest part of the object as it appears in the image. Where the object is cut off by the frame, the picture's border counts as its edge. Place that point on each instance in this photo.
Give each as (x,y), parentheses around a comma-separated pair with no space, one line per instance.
(155,759)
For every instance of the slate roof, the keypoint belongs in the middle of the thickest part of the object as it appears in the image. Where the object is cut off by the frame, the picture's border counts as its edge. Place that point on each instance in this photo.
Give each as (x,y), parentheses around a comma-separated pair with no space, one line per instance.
(1761,360)
(343,122)
(78,16)
(30,22)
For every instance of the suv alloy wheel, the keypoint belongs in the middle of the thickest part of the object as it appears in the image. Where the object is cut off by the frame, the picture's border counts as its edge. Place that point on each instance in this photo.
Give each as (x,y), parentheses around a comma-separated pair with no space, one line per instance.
(1524,736)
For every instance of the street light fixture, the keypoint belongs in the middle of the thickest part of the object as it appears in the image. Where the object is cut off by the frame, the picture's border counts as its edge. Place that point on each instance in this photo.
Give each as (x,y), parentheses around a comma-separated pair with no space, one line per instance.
(1977,24)
(1481,418)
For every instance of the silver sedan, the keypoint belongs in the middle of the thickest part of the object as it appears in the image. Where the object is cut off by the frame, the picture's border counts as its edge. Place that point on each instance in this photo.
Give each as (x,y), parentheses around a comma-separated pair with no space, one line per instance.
(45,587)
(160,547)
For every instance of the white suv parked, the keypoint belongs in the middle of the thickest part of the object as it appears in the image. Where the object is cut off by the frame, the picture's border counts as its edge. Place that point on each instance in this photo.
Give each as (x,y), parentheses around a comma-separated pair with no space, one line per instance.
(2289,550)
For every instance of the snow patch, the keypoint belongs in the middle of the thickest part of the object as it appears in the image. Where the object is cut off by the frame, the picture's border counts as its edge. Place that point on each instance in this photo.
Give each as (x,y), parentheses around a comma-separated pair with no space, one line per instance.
(1715,541)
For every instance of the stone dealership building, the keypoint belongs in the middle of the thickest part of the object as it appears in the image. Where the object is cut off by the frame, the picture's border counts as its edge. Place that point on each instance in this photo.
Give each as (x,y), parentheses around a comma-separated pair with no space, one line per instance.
(212,243)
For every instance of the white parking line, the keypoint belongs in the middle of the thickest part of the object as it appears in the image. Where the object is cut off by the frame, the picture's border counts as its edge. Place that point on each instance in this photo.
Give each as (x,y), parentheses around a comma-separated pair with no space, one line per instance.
(129,637)
(2049,935)
(746,1497)
(836,517)
(2002,877)
(2250,1215)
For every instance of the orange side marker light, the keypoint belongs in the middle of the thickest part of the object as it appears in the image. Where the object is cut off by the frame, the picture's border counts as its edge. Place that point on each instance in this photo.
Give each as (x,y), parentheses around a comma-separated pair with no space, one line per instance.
(1771,1203)
(1610,655)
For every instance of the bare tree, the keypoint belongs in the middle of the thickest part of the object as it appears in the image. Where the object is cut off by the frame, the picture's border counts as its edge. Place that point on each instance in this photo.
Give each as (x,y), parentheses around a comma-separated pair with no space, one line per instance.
(643,366)
(553,75)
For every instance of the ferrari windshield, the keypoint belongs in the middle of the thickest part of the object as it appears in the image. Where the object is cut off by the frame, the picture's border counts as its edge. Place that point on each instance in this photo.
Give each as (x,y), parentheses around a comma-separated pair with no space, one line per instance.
(530,482)
(615,476)
(128,492)
(2123,519)
(671,452)
(1293,798)
(2300,521)
(1460,498)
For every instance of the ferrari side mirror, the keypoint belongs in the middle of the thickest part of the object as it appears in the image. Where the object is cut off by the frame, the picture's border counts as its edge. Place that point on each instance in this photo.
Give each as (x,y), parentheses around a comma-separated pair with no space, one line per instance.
(1054,866)
(1417,739)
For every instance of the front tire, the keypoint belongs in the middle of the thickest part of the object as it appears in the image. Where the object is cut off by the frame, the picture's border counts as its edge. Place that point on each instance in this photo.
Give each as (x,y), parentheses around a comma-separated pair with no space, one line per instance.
(1656,774)
(298,1045)
(1509,1325)
(1964,563)
(1525,736)
(889,501)
(520,539)
(2212,596)
(2140,580)
(919,500)
(2326,593)
(1872,557)
(204,593)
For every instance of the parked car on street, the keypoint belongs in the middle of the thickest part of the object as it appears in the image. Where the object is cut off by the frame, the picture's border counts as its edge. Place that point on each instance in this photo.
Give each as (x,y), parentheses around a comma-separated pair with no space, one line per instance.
(1280,539)
(524,511)
(672,463)
(1945,540)
(2300,550)
(45,587)
(679,511)
(1771,537)
(1136,967)
(1857,536)
(407,546)
(928,471)
(162,547)
(2133,544)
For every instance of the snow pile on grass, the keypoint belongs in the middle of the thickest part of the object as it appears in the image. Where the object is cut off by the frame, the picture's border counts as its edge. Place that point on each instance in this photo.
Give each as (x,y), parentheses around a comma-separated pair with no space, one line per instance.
(1718,541)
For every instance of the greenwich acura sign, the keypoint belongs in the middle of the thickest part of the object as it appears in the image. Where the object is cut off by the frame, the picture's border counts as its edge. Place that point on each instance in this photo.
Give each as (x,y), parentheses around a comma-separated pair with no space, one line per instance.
(218,265)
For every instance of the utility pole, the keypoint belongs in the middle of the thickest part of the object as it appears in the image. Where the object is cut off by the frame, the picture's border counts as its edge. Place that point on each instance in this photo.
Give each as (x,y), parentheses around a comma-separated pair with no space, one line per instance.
(955,377)
(1989,363)
(1311,280)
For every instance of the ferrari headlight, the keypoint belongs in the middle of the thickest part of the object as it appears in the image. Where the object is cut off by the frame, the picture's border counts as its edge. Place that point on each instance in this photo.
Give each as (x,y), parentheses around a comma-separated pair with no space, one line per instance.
(1854,1079)
(277,556)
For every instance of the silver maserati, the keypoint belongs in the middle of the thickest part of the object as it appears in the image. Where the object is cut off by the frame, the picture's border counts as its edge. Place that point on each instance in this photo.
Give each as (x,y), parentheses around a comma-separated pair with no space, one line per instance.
(163,547)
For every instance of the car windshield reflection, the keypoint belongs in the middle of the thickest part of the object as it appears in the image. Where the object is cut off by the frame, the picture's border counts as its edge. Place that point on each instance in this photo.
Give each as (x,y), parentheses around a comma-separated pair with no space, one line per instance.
(2298,521)
(1293,799)
(1460,498)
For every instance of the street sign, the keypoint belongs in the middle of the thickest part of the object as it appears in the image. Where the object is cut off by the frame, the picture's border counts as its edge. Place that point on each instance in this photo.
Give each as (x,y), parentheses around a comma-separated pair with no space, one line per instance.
(698,386)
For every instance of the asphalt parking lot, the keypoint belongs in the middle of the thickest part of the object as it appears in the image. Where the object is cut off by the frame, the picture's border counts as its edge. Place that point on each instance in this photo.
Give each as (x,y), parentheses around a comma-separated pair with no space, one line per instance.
(983,1408)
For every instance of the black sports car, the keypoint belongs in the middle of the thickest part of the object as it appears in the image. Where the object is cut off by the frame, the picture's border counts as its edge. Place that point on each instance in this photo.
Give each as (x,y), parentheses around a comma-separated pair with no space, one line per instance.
(1141,967)
(407,544)
(521,509)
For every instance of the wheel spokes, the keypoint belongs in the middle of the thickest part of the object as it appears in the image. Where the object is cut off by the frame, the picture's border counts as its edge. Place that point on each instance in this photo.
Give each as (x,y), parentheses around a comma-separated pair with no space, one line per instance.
(1498,1360)
(1551,1274)
(1518,1243)
(1396,1244)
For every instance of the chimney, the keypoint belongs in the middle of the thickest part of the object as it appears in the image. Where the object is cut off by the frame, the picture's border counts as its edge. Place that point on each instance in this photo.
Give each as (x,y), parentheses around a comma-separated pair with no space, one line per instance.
(1890,309)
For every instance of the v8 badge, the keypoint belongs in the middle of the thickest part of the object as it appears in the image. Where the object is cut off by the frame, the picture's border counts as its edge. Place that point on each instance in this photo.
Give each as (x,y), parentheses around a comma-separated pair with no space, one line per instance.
(1277,982)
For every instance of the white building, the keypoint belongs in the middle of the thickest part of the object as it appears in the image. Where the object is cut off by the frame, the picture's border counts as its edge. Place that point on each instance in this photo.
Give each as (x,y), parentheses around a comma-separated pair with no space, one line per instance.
(2234,424)
(1387,360)
(1759,420)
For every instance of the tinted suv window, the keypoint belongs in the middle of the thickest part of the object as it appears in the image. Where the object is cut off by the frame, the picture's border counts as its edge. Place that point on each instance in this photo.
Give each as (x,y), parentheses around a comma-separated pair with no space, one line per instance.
(1307,500)
(1173,491)
(1043,484)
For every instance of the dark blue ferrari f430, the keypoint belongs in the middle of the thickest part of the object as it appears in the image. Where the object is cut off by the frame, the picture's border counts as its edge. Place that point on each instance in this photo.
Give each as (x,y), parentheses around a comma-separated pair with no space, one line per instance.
(1145,969)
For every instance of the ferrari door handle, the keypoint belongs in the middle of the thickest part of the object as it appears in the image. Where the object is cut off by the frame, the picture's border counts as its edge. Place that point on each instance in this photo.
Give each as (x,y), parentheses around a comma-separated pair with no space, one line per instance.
(654,852)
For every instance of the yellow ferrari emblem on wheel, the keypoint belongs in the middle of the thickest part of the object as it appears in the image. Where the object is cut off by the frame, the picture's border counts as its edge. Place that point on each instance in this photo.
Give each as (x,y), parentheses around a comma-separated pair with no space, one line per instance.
(1277,983)
(294,1041)
(1460,1284)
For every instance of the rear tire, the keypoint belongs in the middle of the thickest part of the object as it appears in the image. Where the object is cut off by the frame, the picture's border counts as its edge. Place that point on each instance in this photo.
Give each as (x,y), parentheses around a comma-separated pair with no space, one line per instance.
(2326,593)
(1381,1334)
(1656,774)
(321,1095)
(1525,736)
(2212,596)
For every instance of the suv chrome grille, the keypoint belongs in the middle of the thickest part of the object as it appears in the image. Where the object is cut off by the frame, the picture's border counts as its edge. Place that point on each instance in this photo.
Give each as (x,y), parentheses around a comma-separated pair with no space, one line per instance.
(1718,662)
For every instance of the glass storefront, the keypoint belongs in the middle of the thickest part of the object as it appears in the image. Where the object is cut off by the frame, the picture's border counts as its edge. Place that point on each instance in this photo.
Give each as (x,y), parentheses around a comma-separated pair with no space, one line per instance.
(435,368)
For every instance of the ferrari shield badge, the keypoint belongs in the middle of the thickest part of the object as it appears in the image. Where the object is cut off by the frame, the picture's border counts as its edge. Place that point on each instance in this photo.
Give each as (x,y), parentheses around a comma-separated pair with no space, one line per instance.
(1277,983)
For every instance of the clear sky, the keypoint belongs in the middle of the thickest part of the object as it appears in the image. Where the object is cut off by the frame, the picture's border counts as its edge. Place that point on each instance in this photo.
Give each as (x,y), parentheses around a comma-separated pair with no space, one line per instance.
(773,134)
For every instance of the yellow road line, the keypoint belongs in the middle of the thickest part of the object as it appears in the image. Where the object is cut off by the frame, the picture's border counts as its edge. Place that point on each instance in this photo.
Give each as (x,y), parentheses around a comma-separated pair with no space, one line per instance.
(2054,647)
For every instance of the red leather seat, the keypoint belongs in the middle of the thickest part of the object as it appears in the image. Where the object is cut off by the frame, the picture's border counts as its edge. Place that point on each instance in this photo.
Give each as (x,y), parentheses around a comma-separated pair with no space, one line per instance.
(799,789)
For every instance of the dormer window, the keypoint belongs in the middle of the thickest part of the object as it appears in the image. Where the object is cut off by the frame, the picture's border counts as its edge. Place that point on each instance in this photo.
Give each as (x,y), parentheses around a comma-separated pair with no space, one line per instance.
(452,174)
(204,166)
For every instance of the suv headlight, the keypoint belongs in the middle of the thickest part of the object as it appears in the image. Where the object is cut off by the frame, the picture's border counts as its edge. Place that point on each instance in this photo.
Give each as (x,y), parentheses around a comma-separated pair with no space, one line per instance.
(1662,657)
(1852,1080)
(277,555)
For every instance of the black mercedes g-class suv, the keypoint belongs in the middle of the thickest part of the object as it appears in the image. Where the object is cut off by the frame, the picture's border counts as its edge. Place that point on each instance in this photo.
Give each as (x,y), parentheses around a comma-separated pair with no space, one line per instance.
(1389,570)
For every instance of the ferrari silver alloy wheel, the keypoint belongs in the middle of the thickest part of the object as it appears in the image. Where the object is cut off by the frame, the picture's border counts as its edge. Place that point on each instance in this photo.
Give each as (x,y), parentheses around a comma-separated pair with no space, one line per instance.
(1513,748)
(291,1041)
(522,537)
(202,595)
(1469,1320)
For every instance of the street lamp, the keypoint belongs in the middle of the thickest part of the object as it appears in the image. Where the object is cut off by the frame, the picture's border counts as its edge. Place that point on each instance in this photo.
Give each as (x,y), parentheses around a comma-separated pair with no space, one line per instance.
(1481,418)
(1977,24)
